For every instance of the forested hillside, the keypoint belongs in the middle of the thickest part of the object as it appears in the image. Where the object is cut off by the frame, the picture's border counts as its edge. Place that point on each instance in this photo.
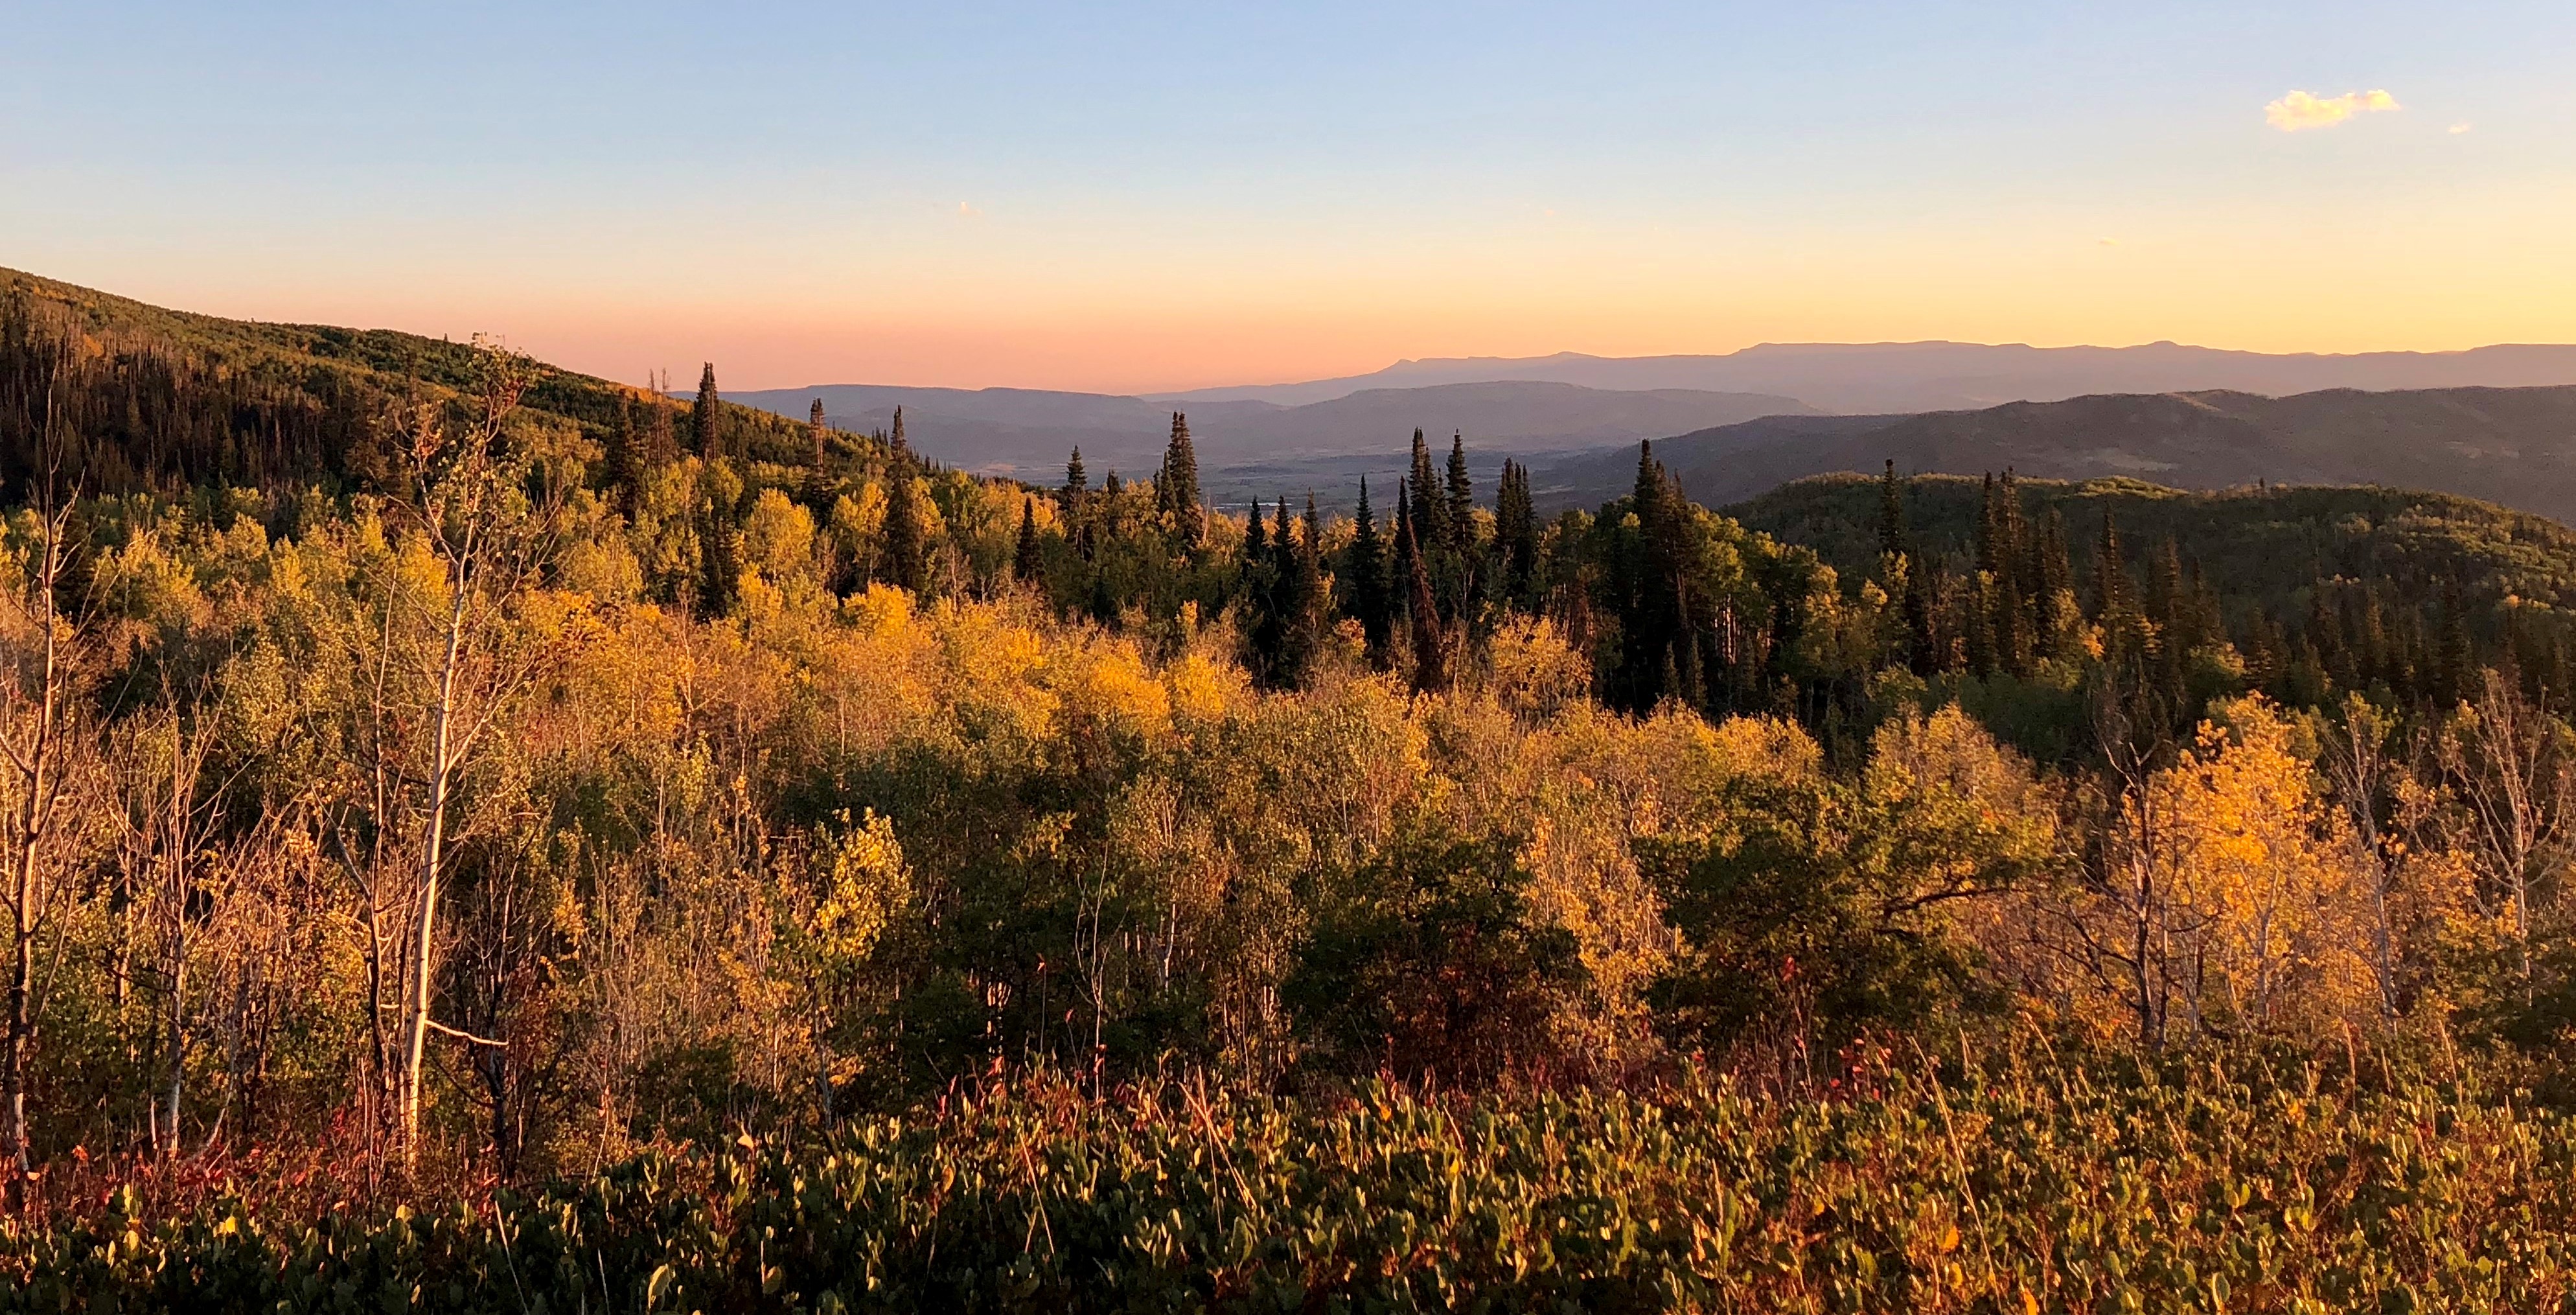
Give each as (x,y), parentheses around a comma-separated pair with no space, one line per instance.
(2515,446)
(605,852)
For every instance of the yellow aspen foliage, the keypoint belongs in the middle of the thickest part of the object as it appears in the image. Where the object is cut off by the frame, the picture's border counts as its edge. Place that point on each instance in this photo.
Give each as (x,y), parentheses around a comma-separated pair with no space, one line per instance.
(2265,868)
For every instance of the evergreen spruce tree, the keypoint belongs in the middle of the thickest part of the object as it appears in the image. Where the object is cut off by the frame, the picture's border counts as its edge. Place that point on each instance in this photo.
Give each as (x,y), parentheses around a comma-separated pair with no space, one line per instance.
(620,464)
(1406,540)
(2326,635)
(1655,616)
(1914,603)
(719,559)
(818,483)
(1074,504)
(903,560)
(2121,623)
(1310,531)
(1986,526)
(1364,581)
(2011,608)
(2453,664)
(1176,488)
(1430,644)
(1426,505)
(2054,607)
(1294,605)
(1461,511)
(706,418)
(1516,530)
(1260,584)
(895,439)
(1026,563)
(1981,626)
(2373,660)
(1925,652)
(1891,515)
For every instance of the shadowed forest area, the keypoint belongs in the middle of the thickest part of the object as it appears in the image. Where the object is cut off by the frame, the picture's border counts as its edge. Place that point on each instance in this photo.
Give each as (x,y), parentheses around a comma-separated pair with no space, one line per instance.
(480,837)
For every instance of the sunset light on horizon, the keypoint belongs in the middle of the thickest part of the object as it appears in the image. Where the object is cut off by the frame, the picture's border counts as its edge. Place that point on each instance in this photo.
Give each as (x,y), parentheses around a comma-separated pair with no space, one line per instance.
(1169,197)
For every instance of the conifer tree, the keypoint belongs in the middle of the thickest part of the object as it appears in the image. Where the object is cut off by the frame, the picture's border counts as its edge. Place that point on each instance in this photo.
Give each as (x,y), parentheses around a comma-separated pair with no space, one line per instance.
(1986,531)
(1311,532)
(2055,610)
(1430,644)
(1915,603)
(2119,617)
(1926,654)
(1405,524)
(1461,511)
(706,418)
(1516,529)
(895,439)
(1981,625)
(1026,564)
(620,464)
(1655,616)
(1364,578)
(2453,665)
(1425,504)
(903,560)
(1260,583)
(720,559)
(1074,503)
(1891,515)
(1176,487)
(1294,605)
(2326,635)
(814,430)
(2011,609)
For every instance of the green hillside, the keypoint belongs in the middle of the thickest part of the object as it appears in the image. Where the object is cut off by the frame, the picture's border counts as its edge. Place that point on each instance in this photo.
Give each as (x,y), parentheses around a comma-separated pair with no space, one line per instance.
(155,398)
(2271,543)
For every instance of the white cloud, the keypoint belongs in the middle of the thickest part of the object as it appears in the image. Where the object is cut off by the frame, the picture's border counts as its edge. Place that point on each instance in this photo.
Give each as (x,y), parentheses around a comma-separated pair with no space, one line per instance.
(2301,109)
(2110,241)
(966,211)
(2458,128)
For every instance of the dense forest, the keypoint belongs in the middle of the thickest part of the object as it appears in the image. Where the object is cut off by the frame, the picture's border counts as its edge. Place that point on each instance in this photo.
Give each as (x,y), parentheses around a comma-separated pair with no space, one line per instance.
(449,800)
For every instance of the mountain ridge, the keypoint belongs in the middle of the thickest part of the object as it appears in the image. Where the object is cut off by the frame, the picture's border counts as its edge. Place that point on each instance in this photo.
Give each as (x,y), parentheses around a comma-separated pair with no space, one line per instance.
(1938,374)
(1028,433)
(2512,446)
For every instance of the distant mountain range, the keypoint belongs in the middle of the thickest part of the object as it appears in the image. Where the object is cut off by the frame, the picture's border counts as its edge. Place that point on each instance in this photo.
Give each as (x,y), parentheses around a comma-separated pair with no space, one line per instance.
(1944,376)
(313,394)
(1780,403)
(2514,446)
(1011,431)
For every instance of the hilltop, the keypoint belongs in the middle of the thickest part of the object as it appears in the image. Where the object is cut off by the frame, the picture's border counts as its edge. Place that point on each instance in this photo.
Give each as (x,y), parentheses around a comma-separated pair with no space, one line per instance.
(173,397)
(2515,446)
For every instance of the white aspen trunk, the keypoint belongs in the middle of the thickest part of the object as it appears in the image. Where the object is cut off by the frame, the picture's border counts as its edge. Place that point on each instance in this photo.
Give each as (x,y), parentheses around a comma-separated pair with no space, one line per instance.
(433,853)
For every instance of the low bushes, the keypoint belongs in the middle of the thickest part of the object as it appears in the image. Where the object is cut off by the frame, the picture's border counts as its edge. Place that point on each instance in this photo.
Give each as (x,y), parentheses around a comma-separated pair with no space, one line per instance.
(2237,1182)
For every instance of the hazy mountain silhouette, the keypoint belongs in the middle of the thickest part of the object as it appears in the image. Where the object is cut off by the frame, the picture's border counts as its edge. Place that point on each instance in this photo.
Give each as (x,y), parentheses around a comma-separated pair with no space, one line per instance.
(2513,446)
(1028,433)
(1928,376)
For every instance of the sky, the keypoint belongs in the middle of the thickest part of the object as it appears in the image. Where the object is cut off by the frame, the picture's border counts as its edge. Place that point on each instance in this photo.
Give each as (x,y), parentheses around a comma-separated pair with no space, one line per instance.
(1160,196)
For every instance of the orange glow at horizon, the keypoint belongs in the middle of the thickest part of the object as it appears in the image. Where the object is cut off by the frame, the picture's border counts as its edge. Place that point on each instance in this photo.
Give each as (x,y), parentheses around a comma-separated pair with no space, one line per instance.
(2436,273)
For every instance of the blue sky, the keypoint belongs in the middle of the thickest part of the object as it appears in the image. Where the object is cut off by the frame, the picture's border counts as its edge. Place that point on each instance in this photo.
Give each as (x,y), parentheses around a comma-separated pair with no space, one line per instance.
(1166,195)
